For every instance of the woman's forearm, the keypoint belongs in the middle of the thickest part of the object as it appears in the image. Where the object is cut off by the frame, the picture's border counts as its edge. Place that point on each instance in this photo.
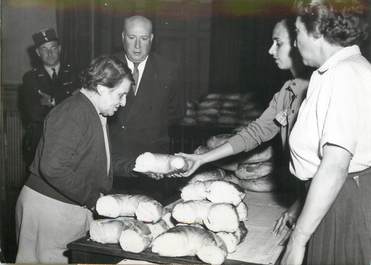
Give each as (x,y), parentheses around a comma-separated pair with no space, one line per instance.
(323,191)
(220,152)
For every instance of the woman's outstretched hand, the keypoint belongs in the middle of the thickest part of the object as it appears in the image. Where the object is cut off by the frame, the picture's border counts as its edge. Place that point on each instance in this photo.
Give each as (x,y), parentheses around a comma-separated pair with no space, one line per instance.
(193,163)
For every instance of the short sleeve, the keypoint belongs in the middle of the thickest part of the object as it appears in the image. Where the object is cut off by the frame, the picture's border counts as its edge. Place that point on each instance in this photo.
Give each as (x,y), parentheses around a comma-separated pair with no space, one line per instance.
(342,115)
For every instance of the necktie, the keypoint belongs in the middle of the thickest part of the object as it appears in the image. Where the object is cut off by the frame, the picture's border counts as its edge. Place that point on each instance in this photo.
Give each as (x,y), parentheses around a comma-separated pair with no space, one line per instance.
(136,77)
(54,75)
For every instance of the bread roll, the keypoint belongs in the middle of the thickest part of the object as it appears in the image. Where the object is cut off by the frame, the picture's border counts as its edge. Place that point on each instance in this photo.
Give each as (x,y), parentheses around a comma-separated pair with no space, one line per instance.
(143,207)
(135,236)
(194,191)
(188,240)
(224,192)
(254,171)
(230,240)
(215,174)
(222,217)
(191,212)
(158,163)
(262,184)
(209,103)
(208,112)
(213,96)
(106,230)
(189,121)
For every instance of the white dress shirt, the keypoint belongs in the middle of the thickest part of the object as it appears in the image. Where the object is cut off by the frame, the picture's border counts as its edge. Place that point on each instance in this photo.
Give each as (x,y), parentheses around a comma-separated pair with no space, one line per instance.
(141,67)
(49,69)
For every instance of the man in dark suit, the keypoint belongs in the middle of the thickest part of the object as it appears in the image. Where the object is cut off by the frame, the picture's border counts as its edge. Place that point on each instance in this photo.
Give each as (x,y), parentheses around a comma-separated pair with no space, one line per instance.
(154,103)
(43,87)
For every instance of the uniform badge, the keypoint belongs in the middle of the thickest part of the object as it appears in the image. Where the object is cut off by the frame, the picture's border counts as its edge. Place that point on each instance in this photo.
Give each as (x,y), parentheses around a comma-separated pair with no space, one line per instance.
(281,117)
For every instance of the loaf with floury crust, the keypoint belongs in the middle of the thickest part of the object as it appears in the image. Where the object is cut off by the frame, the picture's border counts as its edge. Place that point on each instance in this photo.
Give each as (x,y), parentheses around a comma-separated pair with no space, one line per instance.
(188,240)
(142,207)
(215,191)
(133,235)
(196,212)
(159,163)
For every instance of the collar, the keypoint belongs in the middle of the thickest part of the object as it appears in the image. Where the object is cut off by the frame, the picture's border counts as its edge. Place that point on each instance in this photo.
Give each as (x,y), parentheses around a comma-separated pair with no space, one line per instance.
(141,65)
(297,85)
(341,55)
(49,69)
(87,94)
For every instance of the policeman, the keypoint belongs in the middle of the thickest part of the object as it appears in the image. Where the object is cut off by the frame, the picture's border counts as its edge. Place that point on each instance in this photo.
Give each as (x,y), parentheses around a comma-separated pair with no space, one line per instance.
(43,87)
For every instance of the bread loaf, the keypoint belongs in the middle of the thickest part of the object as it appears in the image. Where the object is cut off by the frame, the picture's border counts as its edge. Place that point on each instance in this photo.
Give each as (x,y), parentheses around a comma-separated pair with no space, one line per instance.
(224,192)
(106,230)
(188,240)
(135,236)
(158,163)
(222,217)
(215,191)
(143,207)
(194,191)
(215,174)
(189,121)
(191,212)
(262,184)
(254,171)
(158,228)
(230,240)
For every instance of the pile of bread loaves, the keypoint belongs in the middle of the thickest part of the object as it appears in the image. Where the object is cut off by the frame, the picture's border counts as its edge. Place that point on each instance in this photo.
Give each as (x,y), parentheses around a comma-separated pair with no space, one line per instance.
(222,109)
(252,170)
(207,222)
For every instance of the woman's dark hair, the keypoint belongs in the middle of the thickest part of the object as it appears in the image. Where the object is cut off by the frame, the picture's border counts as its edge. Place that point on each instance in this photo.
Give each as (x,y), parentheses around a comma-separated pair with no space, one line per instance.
(105,70)
(340,22)
(299,68)
(289,23)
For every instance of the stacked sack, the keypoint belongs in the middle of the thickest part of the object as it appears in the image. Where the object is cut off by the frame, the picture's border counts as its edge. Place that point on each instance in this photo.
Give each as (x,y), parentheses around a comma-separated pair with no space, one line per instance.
(253,169)
(210,220)
(222,109)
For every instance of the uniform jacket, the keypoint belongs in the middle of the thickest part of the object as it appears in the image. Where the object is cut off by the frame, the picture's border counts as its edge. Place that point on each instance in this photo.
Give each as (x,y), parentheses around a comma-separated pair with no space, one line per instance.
(70,163)
(33,113)
(142,125)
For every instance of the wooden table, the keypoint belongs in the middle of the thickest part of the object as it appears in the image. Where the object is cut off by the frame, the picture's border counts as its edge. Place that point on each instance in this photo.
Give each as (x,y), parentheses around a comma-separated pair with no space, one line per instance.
(259,246)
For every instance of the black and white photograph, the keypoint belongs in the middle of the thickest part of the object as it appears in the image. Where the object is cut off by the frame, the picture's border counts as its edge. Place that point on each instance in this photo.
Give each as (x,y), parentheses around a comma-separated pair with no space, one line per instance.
(183,132)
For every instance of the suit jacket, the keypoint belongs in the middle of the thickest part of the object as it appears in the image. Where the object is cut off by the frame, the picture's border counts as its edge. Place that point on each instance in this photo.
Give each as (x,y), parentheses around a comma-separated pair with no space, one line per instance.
(70,163)
(142,125)
(33,113)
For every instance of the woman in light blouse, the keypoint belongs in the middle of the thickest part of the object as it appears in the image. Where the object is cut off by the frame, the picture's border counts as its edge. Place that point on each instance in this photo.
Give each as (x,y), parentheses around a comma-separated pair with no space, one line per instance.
(331,140)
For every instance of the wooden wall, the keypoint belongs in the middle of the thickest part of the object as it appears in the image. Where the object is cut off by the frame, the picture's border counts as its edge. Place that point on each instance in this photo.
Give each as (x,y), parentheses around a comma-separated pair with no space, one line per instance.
(13,167)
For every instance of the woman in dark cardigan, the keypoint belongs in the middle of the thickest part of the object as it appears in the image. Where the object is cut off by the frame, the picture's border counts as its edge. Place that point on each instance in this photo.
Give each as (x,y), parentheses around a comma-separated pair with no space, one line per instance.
(71,168)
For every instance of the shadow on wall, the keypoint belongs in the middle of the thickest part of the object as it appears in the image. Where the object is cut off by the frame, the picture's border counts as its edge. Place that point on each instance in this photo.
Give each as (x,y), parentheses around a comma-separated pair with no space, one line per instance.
(34,58)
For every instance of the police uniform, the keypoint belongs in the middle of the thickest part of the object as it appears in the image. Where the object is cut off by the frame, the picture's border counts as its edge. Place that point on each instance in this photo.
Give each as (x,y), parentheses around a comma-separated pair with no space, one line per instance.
(37,82)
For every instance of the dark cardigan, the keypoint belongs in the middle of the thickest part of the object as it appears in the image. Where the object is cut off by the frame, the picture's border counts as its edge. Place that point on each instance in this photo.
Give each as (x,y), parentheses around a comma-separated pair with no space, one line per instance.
(70,163)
